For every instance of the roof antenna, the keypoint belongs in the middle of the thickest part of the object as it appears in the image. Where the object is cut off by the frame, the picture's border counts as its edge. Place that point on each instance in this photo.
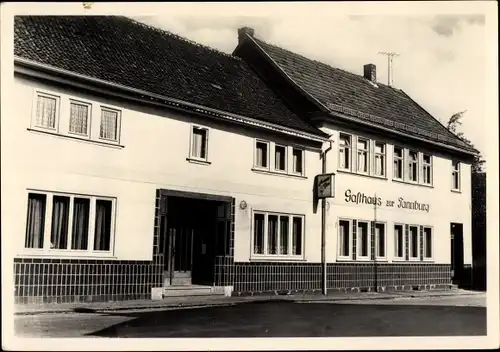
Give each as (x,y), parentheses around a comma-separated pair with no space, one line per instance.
(390,76)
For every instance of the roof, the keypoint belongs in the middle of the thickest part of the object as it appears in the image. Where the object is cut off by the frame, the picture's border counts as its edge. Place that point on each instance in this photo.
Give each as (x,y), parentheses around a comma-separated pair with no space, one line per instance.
(350,94)
(123,51)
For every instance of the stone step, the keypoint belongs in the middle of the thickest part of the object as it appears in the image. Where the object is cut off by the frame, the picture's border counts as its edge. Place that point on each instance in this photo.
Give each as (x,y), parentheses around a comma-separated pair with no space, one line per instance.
(192,290)
(178,281)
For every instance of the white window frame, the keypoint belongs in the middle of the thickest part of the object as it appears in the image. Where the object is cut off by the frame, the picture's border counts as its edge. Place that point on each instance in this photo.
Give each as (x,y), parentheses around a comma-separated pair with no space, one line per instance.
(118,124)
(303,164)
(350,247)
(427,165)
(46,250)
(424,242)
(401,159)
(342,150)
(383,156)
(416,166)
(266,256)
(367,155)
(268,155)
(403,257)
(194,127)
(285,170)
(458,170)
(368,238)
(410,258)
(46,94)
(378,257)
(89,117)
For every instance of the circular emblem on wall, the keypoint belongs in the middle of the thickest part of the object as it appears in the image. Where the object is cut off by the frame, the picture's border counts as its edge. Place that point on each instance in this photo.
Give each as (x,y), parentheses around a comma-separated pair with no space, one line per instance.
(243,205)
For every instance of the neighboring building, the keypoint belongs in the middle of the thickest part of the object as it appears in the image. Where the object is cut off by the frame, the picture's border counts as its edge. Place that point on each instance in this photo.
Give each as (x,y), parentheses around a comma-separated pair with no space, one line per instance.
(402,211)
(150,162)
(479,230)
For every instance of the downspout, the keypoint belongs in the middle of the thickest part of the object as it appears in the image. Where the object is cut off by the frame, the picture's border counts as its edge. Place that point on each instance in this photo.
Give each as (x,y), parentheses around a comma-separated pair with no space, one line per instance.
(323,221)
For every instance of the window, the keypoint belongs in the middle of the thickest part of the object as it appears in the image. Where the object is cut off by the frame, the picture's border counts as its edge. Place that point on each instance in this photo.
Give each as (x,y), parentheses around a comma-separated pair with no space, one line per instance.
(380,240)
(398,163)
(79,118)
(345,238)
(379,159)
(363,243)
(414,243)
(399,242)
(46,111)
(35,223)
(109,124)
(427,169)
(279,235)
(413,166)
(69,226)
(262,154)
(280,157)
(298,161)
(455,175)
(362,162)
(345,152)
(427,232)
(199,143)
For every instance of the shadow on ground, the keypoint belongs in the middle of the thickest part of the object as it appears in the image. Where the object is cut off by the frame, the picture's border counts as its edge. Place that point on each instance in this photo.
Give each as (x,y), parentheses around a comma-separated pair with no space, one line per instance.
(288,319)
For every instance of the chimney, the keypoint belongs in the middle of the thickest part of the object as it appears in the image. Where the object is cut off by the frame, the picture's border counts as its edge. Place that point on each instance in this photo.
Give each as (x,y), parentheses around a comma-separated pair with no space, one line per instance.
(242,32)
(370,72)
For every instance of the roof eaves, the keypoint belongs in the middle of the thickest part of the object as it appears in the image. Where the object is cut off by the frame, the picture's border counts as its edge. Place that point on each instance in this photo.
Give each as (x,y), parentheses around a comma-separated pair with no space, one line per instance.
(320,137)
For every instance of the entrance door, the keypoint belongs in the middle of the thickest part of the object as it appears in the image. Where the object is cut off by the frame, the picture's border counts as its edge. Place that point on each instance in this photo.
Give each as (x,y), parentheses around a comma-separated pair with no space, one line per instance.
(457,252)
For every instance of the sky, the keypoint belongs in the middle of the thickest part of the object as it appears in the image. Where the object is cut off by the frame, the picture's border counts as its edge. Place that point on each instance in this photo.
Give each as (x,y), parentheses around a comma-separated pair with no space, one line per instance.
(441,62)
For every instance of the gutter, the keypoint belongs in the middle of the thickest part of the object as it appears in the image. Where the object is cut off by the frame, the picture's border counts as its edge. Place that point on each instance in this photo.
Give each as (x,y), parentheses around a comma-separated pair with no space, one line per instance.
(168,101)
(323,221)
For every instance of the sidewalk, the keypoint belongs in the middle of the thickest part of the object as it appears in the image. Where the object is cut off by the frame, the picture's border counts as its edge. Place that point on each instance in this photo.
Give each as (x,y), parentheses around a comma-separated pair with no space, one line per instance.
(212,301)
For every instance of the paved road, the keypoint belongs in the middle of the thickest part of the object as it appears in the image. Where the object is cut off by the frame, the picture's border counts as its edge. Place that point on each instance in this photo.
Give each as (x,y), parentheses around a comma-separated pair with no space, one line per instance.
(401,317)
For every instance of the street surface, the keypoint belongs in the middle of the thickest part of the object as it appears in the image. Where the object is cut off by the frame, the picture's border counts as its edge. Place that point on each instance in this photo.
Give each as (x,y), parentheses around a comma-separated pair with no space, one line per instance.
(425,316)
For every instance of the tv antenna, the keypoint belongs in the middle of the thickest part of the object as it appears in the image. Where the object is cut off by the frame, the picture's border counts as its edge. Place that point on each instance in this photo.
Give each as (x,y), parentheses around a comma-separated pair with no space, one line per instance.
(390,56)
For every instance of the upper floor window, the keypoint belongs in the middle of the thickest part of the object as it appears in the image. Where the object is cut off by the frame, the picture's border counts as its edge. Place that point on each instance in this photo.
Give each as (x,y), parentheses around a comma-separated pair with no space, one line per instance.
(72,223)
(298,161)
(262,154)
(362,162)
(47,111)
(427,169)
(79,118)
(455,175)
(280,235)
(398,163)
(379,159)
(109,124)
(345,151)
(280,157)
(199,143)
(413,166)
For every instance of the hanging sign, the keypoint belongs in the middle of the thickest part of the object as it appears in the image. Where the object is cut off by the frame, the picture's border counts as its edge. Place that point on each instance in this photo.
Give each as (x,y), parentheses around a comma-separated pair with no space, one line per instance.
(325,186)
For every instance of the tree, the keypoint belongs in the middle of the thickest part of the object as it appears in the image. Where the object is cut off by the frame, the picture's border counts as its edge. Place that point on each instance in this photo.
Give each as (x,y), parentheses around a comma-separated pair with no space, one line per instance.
(453,123)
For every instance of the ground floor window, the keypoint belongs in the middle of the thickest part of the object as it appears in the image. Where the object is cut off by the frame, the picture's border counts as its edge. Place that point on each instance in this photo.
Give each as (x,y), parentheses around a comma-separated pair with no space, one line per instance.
(363,242)
(345,242)
(399,242)
(380,242)
(414,244)
(428,250)
(276,234)
(61,222)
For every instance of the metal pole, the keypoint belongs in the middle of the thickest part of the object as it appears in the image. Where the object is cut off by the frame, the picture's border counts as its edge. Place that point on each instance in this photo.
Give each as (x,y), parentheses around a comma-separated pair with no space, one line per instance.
(323,225)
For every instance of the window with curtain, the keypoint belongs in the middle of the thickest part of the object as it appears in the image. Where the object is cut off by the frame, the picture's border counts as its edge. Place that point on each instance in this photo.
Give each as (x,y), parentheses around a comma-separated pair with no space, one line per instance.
(427,169)
(46,110)
(80,233)
(200,143)
(362,155)
(79,118)
(60,217)
(455,175)
(297,236)
(344,238)
(35,224)
(102,234)
(398,163)
(345,151)
(262,154)
(413,166)
(379,159)
(109,125)
(298,161)
(259,231)
(272,234)
(280,158)
(284,234)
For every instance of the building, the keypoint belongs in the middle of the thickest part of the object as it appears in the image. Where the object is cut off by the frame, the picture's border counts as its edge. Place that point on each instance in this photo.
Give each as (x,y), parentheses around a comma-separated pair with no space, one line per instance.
(479,230)
(151,163)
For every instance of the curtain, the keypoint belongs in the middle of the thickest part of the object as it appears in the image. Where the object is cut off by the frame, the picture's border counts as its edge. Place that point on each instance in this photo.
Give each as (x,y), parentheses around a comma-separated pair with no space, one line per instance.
(46,112)
(284,222)
(379,165)
(258,240)
(199,143)
(108,124)
(78,118)
(36,221)
(362,164)
(60,212)
(280,158)
(79,238)
(272,239)
(102,225)
(297,161)
(261,155)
